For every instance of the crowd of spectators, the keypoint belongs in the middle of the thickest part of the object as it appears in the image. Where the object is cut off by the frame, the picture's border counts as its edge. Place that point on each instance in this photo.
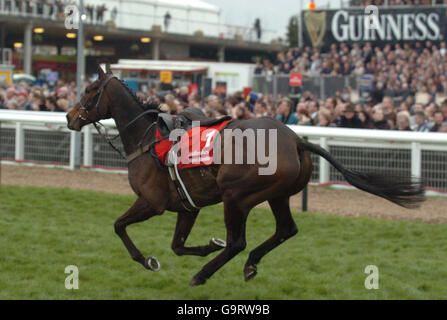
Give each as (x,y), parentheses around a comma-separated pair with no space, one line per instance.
(410,91)
(23,96)
(408,79)
(332,112)
(337,111)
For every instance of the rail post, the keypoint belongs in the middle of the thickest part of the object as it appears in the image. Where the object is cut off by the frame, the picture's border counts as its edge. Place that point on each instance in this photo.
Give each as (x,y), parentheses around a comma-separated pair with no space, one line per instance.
(88,147)
(323,164)
(75,146)
(20,142)
(416,159)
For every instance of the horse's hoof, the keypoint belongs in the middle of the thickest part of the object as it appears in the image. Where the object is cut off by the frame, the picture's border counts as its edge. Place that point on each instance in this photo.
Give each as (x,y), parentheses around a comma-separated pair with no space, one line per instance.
(218,242)
(250,272)
(197,281)
(153,264)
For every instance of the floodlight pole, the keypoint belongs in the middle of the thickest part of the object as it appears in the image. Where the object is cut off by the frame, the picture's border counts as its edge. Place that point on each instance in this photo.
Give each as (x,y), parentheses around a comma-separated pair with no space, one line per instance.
(80,52)
(300,25)
(75,161)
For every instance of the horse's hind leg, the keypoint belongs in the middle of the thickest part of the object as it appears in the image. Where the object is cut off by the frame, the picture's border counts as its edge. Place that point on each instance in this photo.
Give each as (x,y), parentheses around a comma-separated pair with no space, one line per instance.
(235,222)
(185,222)
(285,229)
(140,211)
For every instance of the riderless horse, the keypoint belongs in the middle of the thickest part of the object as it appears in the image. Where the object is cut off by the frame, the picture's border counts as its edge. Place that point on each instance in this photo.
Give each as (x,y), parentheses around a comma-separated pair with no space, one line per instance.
(239,186)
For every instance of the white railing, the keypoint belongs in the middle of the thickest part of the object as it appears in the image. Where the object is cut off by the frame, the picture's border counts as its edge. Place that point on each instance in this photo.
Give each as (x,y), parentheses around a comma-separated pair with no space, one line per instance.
(361,138)
(55,122)
(26,135)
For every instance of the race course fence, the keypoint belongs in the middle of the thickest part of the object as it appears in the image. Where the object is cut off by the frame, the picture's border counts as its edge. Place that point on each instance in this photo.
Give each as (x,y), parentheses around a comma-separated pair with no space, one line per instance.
(42,138)
(323,86)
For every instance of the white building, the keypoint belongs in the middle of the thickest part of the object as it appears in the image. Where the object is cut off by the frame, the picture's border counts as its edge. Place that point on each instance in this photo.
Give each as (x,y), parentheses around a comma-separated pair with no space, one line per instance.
(187,16)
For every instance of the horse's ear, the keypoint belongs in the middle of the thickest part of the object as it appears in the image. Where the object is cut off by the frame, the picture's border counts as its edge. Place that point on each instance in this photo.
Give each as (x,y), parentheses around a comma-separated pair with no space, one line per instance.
(101,73)
(108,70)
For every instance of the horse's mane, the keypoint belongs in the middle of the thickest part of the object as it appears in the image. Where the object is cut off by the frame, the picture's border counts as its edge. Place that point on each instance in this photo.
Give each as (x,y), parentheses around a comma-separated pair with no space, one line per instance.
(145,106)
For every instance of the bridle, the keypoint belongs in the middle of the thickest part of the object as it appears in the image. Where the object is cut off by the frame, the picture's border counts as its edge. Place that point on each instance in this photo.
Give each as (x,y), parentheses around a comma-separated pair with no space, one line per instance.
(87,107)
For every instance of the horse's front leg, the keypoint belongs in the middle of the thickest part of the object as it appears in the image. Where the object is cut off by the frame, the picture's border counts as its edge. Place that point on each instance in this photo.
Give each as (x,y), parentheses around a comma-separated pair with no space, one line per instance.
(185,222)
(140,211)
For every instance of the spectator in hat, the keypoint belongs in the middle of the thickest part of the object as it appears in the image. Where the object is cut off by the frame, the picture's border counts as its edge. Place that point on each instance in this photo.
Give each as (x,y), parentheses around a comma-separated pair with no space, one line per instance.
(349,118)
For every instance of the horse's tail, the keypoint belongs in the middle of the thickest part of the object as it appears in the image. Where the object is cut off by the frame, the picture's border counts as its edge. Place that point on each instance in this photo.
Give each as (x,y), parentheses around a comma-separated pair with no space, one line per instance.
(406,192)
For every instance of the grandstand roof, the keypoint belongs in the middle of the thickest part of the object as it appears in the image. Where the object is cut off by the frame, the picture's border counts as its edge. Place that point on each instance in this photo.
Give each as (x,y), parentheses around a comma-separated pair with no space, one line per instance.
(192,4)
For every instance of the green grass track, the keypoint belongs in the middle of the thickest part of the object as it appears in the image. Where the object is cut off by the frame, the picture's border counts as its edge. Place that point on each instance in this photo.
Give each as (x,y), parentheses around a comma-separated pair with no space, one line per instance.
(43,230)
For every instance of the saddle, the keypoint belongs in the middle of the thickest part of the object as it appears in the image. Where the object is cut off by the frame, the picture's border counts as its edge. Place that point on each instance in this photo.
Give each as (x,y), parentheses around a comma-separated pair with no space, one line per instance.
(184,120)
(187,119)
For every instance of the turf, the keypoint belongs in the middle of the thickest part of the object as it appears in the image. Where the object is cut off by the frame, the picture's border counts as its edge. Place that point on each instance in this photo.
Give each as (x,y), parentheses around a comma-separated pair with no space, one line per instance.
(43,230)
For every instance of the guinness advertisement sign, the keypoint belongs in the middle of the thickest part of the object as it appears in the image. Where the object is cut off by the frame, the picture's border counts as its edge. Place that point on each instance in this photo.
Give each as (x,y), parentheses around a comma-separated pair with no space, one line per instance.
(406,24)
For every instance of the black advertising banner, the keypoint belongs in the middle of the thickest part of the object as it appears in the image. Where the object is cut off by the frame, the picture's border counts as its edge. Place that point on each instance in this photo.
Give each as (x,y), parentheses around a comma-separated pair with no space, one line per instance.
(321,28)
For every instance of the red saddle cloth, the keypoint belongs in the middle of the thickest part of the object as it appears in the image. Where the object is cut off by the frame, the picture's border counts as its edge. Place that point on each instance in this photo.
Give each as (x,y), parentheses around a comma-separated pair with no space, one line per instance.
(195,146)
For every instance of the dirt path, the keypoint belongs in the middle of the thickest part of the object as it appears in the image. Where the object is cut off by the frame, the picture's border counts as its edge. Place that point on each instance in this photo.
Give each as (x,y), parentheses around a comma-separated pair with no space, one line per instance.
(350,203)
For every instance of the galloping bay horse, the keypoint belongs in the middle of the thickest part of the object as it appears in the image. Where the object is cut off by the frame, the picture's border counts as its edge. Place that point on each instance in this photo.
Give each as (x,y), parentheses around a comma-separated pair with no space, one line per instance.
(238,186)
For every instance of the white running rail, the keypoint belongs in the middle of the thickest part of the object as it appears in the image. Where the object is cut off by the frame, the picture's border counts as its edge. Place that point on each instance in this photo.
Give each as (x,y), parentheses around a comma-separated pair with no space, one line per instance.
(30,135)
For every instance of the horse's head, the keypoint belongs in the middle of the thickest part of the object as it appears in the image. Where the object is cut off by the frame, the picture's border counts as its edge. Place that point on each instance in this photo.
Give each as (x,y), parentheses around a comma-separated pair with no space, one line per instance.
(94,104)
